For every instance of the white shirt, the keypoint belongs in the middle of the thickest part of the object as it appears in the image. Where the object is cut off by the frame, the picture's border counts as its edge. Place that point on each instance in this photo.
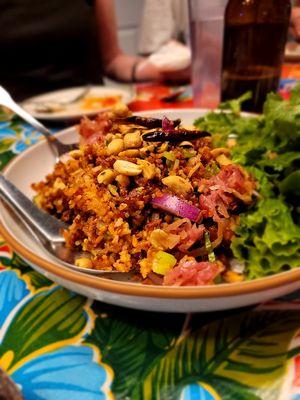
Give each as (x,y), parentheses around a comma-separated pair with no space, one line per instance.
(162,21)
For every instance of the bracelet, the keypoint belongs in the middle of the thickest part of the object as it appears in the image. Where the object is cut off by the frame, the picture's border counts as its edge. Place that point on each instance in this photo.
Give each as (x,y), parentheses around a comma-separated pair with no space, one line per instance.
(133,71)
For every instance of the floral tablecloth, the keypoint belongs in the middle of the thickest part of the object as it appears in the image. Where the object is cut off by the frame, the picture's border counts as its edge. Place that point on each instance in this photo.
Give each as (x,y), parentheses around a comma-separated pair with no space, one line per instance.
(58,345)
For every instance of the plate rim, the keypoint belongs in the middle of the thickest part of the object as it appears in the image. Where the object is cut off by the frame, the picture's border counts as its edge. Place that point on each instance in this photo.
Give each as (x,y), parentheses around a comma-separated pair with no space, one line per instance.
(139,290)
(152,291)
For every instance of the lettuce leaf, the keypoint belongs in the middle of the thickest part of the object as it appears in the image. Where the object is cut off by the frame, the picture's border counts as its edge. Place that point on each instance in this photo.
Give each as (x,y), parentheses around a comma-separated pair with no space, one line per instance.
(268,146)
(281,161)
(290,186)
(282,121)
(267,239)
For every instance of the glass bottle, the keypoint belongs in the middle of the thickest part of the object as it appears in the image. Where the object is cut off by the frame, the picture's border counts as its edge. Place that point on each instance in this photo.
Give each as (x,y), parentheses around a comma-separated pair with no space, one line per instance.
(255,33)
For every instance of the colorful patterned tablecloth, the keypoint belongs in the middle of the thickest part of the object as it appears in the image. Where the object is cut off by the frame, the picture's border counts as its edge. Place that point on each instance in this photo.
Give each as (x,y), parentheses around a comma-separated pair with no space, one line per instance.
(57,345)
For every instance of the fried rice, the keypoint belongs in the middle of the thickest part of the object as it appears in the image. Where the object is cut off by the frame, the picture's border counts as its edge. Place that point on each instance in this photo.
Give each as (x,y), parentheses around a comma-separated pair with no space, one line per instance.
(149,197)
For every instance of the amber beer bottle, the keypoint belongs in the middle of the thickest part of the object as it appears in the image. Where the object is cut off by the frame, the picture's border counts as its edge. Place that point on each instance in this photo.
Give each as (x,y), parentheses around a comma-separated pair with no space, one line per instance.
(254,40)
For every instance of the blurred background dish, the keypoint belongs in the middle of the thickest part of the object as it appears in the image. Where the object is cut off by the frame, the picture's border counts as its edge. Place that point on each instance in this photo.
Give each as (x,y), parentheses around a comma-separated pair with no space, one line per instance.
(73,103)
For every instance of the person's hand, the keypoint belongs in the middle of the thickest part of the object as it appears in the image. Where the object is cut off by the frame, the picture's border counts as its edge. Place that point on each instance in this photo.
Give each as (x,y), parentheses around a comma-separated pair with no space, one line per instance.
(172,61)
(121,69)
(179,77)
(294,29)
(146,71)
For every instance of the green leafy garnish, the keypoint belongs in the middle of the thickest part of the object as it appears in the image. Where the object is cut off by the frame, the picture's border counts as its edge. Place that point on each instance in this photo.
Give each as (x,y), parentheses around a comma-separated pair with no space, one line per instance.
(169,155)
(211,170)
(188,154)
(269,240)
(268,146)
(208,247)
(235,105)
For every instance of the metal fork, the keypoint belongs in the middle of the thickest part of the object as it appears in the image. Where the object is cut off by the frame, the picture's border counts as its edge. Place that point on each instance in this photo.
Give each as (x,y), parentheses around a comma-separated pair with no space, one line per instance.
(56,145)
(46,229)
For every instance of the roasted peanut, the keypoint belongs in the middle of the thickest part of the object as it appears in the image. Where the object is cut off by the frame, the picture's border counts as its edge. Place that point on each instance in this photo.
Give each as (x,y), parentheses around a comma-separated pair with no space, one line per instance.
(193,161)
(232,277)
(38,200)
(231,142)
(147,149)
(194,169)
(132,140)
(223,160)
(149,169)
(113,190)
(108,137)
(120,110)
(127,168)
(58,184)
(130,153)
(163,147)
(106,176)
(162,240)
(75,153)
(186,144)
(122,180)
(220,150)
(98,168)
(115,146)
(84,262)
(177,184)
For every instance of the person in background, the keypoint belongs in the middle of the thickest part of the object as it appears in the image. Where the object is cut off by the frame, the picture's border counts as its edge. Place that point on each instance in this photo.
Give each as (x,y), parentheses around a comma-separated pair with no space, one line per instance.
(294,30)
(164,32)
(162,21)
(47,45)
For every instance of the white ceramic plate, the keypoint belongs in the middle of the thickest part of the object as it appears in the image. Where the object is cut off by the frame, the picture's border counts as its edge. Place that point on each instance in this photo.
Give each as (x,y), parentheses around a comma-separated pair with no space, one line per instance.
(33,164)
(95,101)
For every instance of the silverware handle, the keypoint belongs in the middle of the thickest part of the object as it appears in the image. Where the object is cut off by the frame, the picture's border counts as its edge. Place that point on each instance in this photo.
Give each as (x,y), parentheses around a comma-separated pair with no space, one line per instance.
(44,224)
(7,101)
(29,118)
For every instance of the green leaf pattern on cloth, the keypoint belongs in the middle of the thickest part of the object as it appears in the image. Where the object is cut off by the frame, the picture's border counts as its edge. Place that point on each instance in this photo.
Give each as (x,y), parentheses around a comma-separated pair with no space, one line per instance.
(57,345)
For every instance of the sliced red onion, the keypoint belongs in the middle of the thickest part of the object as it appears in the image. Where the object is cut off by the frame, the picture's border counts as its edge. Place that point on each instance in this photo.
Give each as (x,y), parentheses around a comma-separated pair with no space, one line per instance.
(174,205)
(167,124)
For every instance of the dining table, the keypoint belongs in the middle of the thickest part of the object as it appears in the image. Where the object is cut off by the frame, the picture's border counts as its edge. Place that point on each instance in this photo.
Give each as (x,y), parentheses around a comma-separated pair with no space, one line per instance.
(58,345)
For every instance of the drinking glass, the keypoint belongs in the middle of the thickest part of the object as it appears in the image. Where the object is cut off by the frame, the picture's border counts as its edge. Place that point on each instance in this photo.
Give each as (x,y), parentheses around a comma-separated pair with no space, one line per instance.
(206,38)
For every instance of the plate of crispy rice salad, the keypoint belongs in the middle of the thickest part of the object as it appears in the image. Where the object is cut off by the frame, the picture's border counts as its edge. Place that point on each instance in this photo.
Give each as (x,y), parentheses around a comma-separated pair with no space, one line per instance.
(198,208)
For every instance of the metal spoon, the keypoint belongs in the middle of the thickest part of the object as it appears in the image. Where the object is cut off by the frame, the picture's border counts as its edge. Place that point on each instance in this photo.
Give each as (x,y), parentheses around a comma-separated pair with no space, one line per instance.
(56,145)
(45,228)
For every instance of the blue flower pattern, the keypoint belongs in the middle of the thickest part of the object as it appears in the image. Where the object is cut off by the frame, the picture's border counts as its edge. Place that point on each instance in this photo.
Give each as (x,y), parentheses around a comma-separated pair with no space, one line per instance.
(69,373)
(18,141)
(13,290)
(197,392)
